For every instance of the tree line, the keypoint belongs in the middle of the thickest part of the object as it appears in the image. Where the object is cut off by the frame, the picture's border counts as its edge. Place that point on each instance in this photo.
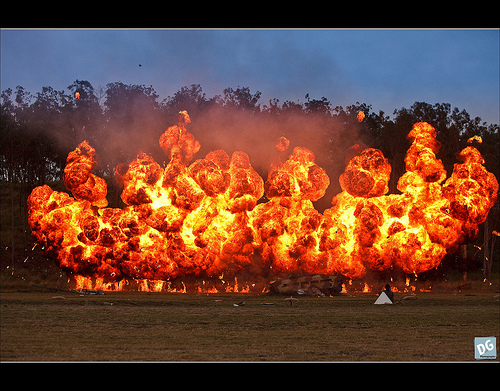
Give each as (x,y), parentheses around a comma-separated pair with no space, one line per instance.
(38,130)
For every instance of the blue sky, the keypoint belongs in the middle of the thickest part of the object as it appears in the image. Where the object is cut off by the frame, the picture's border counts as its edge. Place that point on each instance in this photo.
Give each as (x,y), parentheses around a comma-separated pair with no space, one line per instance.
(388,69)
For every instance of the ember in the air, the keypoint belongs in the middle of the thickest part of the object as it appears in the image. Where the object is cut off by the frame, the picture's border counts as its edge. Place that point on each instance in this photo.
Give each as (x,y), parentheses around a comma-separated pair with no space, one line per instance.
(203,220)
(360,116)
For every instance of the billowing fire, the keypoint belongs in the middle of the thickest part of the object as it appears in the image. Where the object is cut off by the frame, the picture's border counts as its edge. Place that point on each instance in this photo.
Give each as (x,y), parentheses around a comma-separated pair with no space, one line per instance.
(203,220)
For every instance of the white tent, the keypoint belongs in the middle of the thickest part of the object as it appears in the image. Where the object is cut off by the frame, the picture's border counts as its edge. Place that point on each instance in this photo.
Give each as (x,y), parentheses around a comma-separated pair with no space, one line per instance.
(383,299)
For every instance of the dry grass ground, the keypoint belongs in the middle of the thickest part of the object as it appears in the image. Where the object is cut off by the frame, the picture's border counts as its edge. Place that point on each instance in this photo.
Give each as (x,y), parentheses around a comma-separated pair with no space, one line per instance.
(131,326)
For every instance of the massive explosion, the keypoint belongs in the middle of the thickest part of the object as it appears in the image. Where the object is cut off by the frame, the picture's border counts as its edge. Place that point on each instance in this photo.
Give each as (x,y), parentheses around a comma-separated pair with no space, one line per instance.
(204,221)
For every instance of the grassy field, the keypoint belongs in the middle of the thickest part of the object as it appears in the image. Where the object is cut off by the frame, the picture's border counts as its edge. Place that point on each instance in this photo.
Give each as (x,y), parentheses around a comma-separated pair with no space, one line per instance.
(133,326)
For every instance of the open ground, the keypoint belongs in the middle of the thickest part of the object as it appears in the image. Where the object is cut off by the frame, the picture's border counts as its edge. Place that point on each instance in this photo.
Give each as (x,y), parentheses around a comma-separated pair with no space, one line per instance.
(38,325)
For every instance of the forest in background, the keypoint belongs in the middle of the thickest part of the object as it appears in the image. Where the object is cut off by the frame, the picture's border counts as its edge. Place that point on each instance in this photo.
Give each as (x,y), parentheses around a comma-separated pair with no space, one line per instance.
(38,130)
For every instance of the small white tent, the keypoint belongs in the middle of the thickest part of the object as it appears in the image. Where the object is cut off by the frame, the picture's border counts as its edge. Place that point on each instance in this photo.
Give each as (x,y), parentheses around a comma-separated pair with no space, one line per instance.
(383,299)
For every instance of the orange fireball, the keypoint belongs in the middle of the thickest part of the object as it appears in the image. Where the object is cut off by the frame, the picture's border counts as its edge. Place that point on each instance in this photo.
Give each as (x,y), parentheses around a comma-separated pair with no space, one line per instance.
(360,116)
(204,220)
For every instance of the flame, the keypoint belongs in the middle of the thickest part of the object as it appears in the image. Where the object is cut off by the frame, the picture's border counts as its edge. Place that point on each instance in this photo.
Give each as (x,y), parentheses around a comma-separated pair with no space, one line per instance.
(77,95)
(377,287)
(360,116)
(151,285)
(83,282)
(202,220)
(282,144)
(479,139)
